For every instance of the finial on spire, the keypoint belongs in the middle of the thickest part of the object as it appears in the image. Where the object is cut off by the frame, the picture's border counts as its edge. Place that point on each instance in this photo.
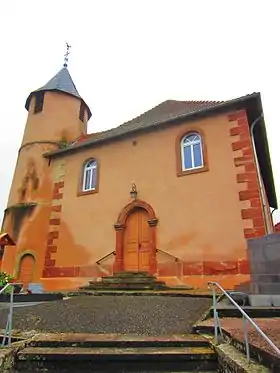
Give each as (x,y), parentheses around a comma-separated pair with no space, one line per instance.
(68,47)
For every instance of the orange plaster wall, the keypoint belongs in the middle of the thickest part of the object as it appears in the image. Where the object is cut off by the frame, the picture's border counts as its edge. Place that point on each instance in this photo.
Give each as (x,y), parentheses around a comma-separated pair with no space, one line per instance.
(31,164)
(199,214)
(33,228)
(32,239)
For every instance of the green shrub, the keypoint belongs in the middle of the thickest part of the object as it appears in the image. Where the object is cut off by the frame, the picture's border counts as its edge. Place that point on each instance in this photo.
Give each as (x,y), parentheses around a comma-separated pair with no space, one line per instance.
(5,278)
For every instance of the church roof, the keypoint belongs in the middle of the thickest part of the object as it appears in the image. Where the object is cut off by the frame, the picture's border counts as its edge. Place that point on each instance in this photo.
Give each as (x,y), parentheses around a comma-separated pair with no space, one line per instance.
(61,82)
(166,113)
(172,112)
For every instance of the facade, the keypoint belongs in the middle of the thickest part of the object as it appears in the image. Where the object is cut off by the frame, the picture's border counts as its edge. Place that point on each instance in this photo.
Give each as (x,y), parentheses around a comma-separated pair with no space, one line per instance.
(175,192)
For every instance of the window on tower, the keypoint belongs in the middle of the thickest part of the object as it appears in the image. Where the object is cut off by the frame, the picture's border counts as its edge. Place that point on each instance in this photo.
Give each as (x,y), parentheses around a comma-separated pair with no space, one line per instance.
(90,175)
(82,112)
(39,102)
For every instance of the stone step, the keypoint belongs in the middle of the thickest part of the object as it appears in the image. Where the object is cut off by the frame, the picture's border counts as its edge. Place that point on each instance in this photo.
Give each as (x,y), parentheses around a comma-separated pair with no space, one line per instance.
(264,300)
(118,367)
(131,274)
(253,312)
(116,354)
(128,280)
(124,286)
(86,340)
(128,364)
(126,283)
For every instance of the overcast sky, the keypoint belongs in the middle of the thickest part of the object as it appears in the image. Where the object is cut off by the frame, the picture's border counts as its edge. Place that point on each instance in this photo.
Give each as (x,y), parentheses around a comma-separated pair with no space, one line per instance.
(128,56)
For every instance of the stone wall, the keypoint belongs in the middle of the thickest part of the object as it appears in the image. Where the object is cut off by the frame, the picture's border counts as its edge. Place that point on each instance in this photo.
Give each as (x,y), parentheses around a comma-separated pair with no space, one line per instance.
(264,258)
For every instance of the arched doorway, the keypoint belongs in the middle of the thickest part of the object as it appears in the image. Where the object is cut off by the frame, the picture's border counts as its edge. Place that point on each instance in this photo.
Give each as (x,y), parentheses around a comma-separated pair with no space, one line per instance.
(136,238)
(26,269)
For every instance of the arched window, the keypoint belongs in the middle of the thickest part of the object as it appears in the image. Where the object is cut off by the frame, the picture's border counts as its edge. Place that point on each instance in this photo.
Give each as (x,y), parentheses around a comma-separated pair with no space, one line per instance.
(191,151)
(90,176)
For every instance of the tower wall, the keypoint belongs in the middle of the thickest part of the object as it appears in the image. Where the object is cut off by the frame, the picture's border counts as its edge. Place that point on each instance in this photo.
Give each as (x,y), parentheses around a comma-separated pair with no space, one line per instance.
(58,120)
(26,218)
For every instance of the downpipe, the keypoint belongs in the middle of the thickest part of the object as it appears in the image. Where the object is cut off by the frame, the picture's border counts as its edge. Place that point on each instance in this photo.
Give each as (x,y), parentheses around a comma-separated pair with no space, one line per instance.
(262,191)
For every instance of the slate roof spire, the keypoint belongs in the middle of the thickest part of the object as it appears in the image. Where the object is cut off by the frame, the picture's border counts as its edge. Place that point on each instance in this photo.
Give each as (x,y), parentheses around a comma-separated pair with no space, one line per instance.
(61,82)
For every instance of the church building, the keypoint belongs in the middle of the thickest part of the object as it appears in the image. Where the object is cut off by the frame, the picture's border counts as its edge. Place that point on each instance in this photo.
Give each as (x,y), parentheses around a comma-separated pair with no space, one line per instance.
(175,192)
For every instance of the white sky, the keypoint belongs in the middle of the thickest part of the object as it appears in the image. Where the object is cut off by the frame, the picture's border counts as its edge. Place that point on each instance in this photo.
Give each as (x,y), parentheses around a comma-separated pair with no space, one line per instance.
(128,56)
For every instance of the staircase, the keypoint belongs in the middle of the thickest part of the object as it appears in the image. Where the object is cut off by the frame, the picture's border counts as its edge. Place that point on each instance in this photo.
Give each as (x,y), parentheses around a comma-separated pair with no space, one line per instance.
(117,353)
(127,281)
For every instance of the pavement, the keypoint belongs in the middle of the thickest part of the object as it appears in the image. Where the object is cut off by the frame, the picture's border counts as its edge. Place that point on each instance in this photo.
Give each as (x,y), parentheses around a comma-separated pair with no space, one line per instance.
(149,315)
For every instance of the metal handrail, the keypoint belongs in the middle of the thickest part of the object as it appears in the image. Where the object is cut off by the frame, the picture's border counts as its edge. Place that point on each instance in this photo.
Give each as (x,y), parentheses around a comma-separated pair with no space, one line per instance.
(169,255)
(101,260)
(246,318)
(8,329)
(179,262)
(105,257)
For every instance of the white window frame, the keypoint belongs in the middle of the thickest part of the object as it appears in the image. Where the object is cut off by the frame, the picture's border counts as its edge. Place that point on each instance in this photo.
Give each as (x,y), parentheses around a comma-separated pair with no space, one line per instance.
(90,166)
(191,145)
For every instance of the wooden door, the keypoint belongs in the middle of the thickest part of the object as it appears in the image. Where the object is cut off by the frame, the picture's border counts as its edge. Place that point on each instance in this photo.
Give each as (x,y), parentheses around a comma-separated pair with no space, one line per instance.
(137,242)
(144,241)
(131,243)
(26,269)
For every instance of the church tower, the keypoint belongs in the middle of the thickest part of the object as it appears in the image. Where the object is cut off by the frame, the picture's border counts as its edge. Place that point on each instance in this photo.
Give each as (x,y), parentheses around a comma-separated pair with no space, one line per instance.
(57,116)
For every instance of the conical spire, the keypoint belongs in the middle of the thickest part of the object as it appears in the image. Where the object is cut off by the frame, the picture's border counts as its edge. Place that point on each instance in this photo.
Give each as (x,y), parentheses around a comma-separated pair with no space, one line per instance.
(61,82)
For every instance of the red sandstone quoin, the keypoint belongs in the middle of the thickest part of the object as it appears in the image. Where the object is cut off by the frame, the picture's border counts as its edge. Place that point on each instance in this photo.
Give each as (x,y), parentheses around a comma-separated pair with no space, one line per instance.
(196,195)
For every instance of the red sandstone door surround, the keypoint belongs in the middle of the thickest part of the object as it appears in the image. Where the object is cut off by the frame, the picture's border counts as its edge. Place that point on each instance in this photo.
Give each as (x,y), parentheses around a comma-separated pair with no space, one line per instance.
(136,238)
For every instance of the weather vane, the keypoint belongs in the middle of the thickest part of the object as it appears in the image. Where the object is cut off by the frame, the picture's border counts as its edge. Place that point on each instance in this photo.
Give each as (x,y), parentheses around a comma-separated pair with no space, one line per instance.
(68,47)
